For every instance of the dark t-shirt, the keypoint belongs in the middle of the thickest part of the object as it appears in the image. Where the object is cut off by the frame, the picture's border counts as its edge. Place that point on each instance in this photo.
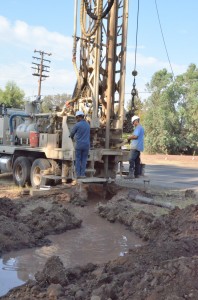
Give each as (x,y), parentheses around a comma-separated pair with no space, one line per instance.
(81,134)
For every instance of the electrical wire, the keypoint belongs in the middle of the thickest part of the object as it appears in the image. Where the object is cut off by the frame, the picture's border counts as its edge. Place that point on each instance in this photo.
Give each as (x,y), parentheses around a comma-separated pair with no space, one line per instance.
(164,39)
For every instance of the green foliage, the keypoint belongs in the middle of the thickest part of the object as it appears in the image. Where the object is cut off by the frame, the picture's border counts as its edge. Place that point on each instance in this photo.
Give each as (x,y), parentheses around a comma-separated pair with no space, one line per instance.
(159,81)
(171,113)
(188,108)
(12,96)
(48,102)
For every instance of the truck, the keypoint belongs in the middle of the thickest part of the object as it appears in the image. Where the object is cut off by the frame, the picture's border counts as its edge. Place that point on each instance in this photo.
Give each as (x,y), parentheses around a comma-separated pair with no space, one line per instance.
(35,146)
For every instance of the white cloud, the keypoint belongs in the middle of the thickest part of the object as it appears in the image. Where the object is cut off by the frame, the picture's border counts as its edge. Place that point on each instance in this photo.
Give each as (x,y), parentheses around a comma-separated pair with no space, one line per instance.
(4,24)
(153,63)
(146,67)
(20,34)
(21,31)
(21,38)
(18,39)
(60,80)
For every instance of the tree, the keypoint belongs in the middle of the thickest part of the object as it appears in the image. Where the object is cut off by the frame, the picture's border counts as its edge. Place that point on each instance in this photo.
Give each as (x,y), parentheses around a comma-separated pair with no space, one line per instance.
(160,117)
(50,101)
(188,109)
(12,95)
(171,113)
(1,92)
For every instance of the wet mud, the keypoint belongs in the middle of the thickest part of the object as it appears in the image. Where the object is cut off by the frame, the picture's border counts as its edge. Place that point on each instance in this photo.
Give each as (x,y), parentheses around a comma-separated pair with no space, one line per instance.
(24,223)
(164,268)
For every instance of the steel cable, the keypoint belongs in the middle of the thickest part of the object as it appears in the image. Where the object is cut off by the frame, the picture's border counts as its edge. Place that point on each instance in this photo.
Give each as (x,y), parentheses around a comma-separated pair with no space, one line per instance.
(164,39)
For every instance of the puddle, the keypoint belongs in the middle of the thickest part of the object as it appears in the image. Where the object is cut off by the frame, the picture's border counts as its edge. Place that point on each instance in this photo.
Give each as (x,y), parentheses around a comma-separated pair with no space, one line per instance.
(8,276)
(97,241)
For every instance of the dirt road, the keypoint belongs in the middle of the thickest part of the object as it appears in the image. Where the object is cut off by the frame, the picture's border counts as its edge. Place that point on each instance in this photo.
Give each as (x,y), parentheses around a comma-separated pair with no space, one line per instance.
(164,268)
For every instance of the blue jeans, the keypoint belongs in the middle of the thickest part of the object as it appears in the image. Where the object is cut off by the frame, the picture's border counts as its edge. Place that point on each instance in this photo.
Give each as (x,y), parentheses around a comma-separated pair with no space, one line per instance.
(81,161)
(134,162)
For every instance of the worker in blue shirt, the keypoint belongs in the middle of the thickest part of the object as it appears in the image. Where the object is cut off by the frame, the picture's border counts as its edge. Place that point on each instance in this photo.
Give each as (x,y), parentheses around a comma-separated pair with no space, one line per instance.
(137,146)
(81,133)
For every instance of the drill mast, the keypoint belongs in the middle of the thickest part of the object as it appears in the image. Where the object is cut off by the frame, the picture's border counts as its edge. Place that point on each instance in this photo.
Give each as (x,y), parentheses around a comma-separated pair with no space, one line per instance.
(102,65)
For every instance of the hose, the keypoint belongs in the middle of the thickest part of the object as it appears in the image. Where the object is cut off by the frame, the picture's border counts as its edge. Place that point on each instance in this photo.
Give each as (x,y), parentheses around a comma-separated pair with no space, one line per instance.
(87,34)
(98,18)
(16,115)
(105,12)
(97,23)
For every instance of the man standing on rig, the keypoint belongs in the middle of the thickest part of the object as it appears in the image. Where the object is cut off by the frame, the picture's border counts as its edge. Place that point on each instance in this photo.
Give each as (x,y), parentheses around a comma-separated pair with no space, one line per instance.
(137,146)
(81,133)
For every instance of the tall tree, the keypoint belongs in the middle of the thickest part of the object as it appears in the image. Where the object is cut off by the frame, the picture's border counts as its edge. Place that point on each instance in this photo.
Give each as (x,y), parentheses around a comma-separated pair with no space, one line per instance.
(12,95)
(188,109)
(171,113)
(160,118)
(50,101)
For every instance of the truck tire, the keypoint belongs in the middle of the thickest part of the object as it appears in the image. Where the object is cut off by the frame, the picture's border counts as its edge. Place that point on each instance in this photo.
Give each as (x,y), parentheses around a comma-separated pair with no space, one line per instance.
(36,176)
(21,171)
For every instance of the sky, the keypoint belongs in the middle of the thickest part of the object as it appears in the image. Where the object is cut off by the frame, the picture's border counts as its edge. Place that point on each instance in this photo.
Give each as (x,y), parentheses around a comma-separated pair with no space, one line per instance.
(47,25)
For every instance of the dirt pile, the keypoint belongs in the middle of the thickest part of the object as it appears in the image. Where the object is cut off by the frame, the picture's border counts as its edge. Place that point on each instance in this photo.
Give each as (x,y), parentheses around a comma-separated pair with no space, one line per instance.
(165,268)
(25,223)
(175,224)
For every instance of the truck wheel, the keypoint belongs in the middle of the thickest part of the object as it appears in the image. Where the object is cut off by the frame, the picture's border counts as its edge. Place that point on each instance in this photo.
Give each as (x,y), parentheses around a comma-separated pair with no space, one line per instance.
(21,171)
(36,176)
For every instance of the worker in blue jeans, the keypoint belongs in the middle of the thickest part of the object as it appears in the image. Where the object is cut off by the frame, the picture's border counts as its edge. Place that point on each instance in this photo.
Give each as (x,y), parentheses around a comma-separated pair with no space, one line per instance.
(137,146)
(81,133)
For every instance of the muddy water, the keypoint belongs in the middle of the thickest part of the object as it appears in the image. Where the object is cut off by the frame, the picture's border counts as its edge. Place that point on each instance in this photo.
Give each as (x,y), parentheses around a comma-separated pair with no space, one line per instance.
(97,241)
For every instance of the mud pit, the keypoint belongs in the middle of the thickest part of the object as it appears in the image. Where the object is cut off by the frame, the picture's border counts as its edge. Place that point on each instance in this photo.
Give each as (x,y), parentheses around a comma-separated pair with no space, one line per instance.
(25,223)
(165,267)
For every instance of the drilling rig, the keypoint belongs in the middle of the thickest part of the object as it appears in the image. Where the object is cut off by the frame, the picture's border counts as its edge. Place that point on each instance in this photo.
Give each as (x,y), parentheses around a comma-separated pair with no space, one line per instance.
(36,146)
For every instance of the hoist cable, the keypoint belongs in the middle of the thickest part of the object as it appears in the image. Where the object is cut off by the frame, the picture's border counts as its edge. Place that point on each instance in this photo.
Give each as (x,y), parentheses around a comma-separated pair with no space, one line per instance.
(164,39)
(137,27)
(134,73)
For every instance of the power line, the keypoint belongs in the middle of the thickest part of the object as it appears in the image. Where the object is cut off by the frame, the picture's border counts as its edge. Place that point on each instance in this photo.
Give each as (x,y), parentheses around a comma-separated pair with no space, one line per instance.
(40,68)
(163,38)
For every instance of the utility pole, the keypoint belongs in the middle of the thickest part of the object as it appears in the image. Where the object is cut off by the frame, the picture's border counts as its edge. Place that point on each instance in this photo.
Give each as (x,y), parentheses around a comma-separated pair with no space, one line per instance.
(40,68)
